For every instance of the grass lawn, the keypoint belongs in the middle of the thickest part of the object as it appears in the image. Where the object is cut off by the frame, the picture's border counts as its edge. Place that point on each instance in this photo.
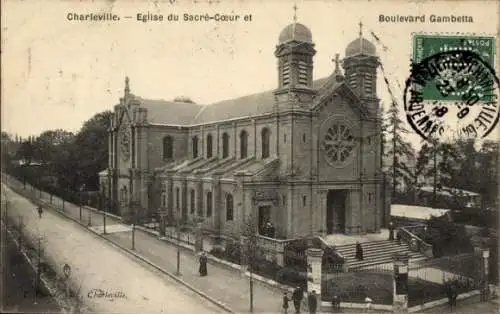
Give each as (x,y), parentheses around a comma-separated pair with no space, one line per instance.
(355,286)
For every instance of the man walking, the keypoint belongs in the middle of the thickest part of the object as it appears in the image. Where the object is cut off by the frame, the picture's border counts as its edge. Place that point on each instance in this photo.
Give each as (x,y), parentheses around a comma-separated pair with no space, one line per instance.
(391,230)
(203,265)
(297,297)
(312,302)
(359,251)
(40,211)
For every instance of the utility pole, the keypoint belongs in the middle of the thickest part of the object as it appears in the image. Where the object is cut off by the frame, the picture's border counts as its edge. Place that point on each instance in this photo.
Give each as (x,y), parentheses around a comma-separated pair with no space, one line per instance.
(434,198)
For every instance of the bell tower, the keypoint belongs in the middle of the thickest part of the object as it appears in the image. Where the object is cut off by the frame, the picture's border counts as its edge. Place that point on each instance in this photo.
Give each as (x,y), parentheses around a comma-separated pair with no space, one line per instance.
(295,52)
(360,66)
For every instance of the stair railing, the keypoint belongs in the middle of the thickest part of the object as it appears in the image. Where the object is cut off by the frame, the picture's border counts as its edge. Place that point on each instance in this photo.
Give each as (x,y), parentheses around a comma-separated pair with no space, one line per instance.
(414,242)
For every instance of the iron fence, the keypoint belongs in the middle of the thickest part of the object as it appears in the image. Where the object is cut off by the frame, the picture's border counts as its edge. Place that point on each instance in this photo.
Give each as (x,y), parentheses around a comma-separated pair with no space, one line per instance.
(374,281)
(431,277)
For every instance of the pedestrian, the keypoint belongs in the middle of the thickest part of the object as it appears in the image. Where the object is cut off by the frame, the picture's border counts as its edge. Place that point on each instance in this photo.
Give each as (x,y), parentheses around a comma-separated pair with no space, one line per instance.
(312,302)
(398,236)
(297,297)
(336,304)
(391,231)
(454,295)
(359,251)
(40,211)
(203,265)
(285,302)
(368,302)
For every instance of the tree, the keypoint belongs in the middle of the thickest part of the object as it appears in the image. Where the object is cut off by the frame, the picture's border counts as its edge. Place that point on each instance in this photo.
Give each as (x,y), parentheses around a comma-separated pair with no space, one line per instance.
(48,144)
(439,161)
(249,231)
(91,149)
(488,173)
(399,150)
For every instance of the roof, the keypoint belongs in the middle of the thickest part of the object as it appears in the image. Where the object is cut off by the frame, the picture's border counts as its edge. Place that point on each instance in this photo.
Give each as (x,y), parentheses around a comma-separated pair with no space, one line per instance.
(297,32)
(184,113)
(416,212)
(445,191)
(162,111)
(360,46)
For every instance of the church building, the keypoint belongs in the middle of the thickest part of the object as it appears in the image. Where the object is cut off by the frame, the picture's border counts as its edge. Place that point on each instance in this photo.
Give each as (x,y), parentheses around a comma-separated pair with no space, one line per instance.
(305,156)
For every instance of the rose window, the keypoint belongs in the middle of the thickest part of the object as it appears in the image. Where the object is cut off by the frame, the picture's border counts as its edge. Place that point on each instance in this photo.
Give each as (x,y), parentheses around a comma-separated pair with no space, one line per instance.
(338,144)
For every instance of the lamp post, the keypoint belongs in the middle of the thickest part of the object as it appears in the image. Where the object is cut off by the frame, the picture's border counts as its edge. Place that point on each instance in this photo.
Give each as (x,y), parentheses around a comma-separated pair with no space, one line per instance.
(90,216)
(134,218)
(81,201)
(178,247)
(105,203)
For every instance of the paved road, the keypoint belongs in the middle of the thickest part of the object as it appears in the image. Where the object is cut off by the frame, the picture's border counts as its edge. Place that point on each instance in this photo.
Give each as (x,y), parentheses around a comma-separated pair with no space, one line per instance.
(97,265)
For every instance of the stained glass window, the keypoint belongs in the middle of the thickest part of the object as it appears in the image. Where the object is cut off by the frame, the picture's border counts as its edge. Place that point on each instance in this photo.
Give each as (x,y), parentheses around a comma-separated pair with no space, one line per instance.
(338,144)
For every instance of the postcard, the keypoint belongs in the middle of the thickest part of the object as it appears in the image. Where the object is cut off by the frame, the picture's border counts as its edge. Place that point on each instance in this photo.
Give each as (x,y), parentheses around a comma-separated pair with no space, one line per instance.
(199,156)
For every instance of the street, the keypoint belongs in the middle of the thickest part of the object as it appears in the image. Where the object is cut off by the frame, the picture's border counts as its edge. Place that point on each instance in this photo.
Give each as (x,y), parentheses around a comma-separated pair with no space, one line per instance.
(110,280)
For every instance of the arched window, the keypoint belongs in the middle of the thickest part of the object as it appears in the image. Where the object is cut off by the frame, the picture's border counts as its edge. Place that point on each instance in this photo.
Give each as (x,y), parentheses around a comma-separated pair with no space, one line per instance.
(229,207)
(209,204)
(265,142)
(243,144)
(225,145)
(195,146)
(209,146)
(192,201)
(168,147)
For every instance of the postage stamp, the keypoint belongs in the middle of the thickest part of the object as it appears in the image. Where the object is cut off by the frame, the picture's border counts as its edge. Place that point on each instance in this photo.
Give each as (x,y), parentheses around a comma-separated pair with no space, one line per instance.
(453,88)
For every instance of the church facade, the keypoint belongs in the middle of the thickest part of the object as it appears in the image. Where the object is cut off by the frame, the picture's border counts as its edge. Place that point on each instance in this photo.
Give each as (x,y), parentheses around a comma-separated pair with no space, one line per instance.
(305,156)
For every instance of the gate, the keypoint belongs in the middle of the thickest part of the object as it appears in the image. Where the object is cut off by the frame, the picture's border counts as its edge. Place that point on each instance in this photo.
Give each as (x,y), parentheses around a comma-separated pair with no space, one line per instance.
(428,279)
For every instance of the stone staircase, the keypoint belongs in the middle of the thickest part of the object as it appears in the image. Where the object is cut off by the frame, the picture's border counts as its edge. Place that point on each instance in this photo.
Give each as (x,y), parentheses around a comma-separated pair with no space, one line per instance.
(376,253)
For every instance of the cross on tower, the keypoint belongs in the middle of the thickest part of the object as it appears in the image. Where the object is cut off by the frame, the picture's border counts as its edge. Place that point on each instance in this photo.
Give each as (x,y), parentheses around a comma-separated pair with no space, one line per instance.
(294,12)
(336,60)
(360,29)
(127,87)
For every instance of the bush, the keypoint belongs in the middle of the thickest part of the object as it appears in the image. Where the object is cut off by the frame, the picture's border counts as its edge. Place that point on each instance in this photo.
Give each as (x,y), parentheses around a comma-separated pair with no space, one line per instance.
(265,268)
(292,277)
(217,252)
(233,252)
(331,257)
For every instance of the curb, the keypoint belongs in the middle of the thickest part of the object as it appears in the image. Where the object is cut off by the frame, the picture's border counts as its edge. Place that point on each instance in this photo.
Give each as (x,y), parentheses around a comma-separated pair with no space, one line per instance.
(137,256)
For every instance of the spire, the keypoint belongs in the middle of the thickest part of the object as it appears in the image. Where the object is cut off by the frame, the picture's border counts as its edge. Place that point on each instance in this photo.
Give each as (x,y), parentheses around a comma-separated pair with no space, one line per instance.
(294,13)
(127,87)
(294,19)
(337,73)
(360,36)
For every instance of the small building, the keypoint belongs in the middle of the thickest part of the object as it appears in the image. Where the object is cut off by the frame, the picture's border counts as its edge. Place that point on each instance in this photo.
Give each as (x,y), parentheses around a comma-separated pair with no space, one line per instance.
(448,197)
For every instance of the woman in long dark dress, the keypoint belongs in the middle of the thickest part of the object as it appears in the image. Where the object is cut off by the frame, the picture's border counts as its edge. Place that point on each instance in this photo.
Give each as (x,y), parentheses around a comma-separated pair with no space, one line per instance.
(359,251)
(203,265)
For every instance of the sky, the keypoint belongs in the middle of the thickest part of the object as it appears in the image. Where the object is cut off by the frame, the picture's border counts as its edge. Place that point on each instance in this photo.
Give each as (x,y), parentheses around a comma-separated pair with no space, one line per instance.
(59,73)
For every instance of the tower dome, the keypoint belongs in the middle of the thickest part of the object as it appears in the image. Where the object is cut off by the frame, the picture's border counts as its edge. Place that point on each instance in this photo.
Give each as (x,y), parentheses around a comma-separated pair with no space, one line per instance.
(297,32)
(360,46)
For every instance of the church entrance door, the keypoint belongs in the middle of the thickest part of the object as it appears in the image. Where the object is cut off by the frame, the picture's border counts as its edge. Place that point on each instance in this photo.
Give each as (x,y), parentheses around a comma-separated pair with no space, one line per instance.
(335,211)
(264,216)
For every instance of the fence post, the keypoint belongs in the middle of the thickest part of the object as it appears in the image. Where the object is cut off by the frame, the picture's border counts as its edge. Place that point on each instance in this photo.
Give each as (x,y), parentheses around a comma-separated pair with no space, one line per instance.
(485,288)
(400,299)
(314,259)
